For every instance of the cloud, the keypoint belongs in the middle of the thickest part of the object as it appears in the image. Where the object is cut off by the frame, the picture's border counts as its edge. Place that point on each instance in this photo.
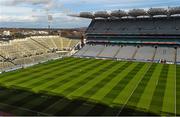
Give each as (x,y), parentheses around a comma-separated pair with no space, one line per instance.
(7,18)
(17,2)
(45,4)
(28,12)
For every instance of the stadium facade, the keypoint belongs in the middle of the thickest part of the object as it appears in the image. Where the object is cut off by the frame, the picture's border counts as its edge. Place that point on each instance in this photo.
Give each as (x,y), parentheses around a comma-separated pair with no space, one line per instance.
(152,35)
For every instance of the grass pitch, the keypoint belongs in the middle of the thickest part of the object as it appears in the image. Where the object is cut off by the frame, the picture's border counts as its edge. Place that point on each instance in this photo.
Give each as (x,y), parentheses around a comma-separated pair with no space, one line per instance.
(149,87)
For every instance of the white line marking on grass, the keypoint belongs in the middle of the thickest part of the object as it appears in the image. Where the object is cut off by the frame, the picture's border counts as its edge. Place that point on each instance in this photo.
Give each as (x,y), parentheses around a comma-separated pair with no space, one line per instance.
(133,91)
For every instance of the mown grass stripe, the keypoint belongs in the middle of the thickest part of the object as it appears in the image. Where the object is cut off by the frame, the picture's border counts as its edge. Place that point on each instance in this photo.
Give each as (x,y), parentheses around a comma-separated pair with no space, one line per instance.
(128,90)
(106,76)
(134,99)
(147,95)
(38,66)
(85,82)
(56,107)
(16,97)
(112,94)
(82,110)
(100,94)
(157,99)
(5,95)
(95,79)
(48,74)
(67,85)
(177,90)
(62,77)
(22,105)
(169,96)
(42,106)
(27,69)
(33,103)
(32,70)
(23,79)
(101,83)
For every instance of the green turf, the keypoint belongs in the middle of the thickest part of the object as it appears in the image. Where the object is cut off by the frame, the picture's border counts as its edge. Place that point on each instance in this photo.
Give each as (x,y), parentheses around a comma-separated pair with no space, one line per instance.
(143,86)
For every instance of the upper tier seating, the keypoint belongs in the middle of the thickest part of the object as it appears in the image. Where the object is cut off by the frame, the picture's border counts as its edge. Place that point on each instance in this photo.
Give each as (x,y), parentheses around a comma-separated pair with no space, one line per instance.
(138,26)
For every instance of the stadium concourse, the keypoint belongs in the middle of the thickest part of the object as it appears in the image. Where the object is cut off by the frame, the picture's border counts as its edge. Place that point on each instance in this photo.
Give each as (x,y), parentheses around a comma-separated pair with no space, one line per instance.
(20,53)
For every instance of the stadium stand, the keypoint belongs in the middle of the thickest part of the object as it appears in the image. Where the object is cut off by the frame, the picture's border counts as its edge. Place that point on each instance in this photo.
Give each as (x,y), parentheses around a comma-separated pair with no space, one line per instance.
(178,56)
(93,51)
(126,52)
(165,53)
(32,50)
(109,51)
(82,51)
(130,52)
(114,35)
(145,53)
(135,26)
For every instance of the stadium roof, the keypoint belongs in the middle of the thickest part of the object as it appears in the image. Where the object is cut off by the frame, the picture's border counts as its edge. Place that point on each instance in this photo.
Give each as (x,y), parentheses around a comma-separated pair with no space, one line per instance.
(131,13)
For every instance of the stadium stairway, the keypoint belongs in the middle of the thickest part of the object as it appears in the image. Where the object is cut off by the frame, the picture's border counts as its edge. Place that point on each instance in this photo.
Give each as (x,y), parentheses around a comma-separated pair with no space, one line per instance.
(32,50)
(175,57)
(7,60)
(85,51)
(69,43)
(133,56)
(39,43)
(61,42)
(101,51)
(54,43)
(154,54)
(117,52)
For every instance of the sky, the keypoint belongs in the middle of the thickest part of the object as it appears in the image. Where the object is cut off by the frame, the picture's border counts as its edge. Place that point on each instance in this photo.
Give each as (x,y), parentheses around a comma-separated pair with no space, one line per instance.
(33,13)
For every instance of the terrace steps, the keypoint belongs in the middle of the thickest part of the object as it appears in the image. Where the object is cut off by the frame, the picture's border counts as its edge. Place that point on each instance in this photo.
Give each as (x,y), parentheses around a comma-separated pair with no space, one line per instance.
(54,43)
(154,54)
(7,59)
(61,43)
(133,56)
(32,50)
(85,51)
(40,43)
(100,51)
(175,57)
(117,52)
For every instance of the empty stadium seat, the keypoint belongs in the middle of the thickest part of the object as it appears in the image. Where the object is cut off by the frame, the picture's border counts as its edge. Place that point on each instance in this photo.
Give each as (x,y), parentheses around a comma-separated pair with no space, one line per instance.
(34,50)
(145,53)
(109,51)
(165,53)
(126,52)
